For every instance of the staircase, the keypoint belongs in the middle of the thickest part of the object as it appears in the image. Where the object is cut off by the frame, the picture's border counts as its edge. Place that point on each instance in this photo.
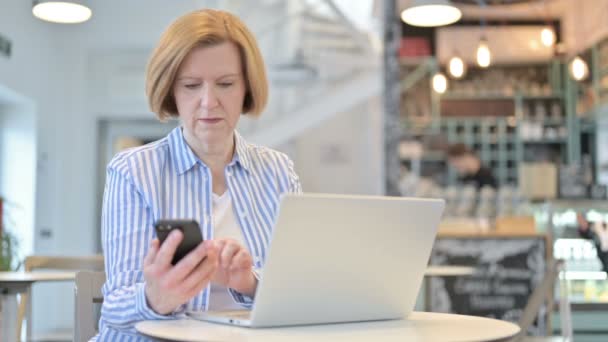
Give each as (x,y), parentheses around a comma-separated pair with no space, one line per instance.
(319,64)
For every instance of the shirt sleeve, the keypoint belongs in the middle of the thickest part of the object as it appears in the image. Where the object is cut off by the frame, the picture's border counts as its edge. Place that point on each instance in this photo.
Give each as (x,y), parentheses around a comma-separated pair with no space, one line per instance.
(245,301)
(294,180)
(291,184)
(126,235)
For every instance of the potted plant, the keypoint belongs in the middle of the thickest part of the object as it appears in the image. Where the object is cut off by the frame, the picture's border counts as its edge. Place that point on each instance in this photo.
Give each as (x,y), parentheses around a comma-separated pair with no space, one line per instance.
(8,245)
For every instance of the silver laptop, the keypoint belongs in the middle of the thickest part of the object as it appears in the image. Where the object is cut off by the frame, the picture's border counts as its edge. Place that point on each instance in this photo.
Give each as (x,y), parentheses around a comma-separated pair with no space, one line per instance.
(341,258)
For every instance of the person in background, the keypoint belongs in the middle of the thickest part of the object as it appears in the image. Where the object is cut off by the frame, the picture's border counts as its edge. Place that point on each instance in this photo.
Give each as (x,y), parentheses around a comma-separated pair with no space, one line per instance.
(598,233)
(468,165)
(206,71)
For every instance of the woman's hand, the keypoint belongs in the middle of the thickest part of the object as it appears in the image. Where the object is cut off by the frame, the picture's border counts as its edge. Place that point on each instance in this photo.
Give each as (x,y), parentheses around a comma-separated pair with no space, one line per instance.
(169,286)
(235,269)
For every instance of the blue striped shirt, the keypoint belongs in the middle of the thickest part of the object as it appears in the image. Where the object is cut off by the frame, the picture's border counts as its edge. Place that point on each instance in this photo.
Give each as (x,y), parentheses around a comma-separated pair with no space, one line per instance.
(165,180)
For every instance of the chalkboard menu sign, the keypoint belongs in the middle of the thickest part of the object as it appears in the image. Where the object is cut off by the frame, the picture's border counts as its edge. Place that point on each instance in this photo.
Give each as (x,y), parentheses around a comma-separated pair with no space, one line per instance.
(507,269)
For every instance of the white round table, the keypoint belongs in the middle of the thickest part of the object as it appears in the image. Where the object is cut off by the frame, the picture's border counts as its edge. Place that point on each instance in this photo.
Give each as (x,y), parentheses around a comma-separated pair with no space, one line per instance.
(448,271)
(13,283)
(421,326)
(442,271)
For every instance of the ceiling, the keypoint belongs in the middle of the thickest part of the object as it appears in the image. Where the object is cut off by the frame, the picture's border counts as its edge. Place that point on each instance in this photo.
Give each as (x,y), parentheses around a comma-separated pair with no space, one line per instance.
(495,2)
(504,9)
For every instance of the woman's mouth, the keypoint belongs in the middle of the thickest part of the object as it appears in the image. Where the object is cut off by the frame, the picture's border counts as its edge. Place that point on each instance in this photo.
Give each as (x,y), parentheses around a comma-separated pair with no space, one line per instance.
(210,120)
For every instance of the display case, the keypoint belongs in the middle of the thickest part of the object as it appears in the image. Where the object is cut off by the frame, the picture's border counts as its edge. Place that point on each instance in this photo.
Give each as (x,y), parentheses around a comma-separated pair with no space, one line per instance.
(587,283)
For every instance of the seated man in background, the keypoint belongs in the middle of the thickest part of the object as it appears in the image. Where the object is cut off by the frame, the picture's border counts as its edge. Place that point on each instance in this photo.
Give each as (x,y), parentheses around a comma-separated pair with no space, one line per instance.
(469,166)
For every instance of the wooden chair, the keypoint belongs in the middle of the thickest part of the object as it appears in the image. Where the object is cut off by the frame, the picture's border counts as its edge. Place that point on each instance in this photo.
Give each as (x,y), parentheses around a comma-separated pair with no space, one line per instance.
(64,263)
(543,293)
(87,294)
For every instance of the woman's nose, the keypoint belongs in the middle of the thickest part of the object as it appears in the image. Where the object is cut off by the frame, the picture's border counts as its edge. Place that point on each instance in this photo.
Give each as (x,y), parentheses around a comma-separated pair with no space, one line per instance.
(208,97)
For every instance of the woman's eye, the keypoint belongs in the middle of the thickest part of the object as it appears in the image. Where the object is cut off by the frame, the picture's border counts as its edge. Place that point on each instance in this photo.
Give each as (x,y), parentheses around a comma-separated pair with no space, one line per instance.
(225,84)
(192,86)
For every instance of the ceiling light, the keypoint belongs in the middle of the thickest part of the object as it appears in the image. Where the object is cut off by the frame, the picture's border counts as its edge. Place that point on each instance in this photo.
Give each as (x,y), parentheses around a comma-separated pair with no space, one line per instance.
(456,67)
(579,69)
(484,56)
(440,83)
(429,13)
(547,36)
(64,12)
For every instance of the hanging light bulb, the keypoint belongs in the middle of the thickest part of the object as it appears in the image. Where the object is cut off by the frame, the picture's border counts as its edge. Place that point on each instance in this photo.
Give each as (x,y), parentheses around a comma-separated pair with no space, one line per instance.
(579,69)
(430,13)
(547,36)
(440,83)
(456,67)
(63,11)
(484,56)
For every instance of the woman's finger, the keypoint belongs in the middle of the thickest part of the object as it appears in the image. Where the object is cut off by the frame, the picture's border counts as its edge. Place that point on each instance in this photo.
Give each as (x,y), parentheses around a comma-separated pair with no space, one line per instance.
(168,247)
(242,260)
(227,253)
(185,266)
(152,251)
(201,275)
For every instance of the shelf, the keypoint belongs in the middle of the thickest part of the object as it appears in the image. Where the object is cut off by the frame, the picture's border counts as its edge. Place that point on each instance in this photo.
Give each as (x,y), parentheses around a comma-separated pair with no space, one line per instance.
(545,141)
(465,96)
(586,306)
(575,204)
(554,122)
(587,129)
(414,61)
(499,96)
(429,156)
(554,96)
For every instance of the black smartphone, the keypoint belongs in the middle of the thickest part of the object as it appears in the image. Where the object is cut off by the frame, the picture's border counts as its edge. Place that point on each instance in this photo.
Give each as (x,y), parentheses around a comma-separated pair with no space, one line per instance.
(191,231)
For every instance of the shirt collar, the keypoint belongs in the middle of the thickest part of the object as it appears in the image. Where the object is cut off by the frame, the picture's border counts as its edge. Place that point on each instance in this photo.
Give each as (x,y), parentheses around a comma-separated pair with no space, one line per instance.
(184,158)
(241,154)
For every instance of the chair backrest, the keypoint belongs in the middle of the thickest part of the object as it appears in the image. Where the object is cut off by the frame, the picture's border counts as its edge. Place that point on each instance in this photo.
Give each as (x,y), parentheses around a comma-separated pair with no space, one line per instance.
(65,263)
(542,294)
(87,294)
(48,262)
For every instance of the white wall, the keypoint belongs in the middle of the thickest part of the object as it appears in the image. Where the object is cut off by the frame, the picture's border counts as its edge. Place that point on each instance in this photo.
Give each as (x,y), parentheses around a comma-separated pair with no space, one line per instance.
(49,66)
(345,154)
(55,66)
(34,71)
(18,170)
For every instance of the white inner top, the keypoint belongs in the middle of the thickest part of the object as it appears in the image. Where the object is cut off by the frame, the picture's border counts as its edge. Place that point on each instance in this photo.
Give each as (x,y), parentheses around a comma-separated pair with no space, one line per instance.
(225,225)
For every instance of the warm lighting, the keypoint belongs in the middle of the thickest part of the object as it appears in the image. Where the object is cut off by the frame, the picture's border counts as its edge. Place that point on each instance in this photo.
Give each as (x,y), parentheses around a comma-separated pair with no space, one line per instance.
(579,69)
(64,12)
(456,67)
(484,56)
(547,37)
(440,83)
(428,13)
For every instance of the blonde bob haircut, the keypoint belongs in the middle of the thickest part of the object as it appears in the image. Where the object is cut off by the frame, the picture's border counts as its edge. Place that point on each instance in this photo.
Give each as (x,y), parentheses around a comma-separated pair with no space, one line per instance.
(200,29)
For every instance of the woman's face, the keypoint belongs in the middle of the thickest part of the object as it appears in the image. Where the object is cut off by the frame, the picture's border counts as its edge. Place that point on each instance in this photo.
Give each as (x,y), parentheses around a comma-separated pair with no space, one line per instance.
(209,91)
